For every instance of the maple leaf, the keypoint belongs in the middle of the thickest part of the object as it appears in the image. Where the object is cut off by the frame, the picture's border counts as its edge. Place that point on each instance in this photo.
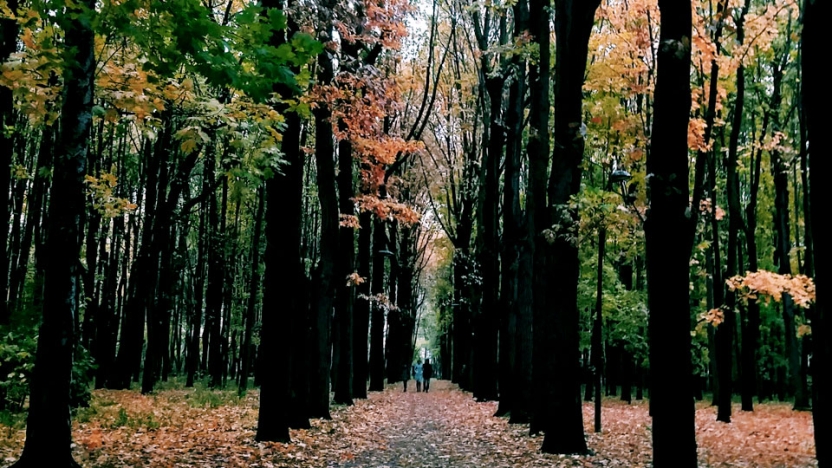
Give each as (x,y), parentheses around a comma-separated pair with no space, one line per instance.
(354,279)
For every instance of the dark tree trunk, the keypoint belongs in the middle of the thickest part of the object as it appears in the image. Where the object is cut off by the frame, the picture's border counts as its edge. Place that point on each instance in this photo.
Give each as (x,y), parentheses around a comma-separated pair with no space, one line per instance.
(377,319)
(361,323)
(281,406)
(215,286)
(93,222)
(816,103)
(725,331)
(142,285)
(328,199)
(598,328)
(8,45)
(404,298)
(345,266)
(515,374)
(573,25)
(163,244)
(674,438)
(626,376)
(198,279)
(254,289)
(782,255)
(395,319)
(485,324)
(537,215)
(48,429)
(35,202)
(736,222)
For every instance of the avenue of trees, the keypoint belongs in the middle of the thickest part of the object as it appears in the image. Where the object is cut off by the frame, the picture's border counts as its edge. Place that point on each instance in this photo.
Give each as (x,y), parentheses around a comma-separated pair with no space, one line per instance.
(568,199)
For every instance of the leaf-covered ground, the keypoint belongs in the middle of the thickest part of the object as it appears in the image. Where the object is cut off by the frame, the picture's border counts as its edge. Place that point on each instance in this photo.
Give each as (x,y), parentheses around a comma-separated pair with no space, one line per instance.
(443,428)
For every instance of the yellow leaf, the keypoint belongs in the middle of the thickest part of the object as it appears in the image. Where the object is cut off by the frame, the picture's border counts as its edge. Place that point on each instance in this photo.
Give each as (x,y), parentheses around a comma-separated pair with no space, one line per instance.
(188,146)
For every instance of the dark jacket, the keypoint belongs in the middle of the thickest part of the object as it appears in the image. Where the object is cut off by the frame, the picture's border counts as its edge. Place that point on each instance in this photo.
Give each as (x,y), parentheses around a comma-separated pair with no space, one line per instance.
(427,370)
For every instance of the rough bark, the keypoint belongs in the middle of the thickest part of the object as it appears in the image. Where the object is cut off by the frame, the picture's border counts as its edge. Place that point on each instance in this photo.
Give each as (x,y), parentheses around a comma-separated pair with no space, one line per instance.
(48,429)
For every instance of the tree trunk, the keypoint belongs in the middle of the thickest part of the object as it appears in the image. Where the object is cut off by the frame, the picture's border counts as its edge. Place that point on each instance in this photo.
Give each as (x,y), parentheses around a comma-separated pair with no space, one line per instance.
(377,319)
(537,215)
(345,266)
(514,373)
(143,282)
(8,45)
(281,406)
(736,222)
(34,211)
(485,325)
(361,324)
(674,438)
(816,102)
(48,429)
(573,25)
(328,199)
(216,266)
(254,291)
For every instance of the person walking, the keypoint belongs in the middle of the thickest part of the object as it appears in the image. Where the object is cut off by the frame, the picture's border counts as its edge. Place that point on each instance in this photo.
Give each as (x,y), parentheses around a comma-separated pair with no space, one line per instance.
(418,374)
(405,375)
(427,373)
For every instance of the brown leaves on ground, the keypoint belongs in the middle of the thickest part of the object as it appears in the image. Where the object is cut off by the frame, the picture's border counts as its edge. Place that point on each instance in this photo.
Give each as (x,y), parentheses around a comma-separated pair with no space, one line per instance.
(443,428)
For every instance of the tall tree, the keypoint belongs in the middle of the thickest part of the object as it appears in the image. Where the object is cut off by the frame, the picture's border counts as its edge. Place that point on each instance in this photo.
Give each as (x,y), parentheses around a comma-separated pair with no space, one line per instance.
(669,216)
(328,199)
(816,102)
(48,429)
(8,44)
(284,280)
(573,26)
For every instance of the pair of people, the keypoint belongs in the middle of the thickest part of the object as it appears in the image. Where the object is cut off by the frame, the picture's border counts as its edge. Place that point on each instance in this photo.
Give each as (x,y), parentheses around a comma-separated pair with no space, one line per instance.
(422,373)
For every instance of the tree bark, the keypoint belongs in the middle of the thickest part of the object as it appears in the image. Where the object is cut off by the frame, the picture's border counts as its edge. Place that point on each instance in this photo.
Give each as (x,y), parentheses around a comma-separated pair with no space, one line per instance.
(515,364)
(254,291)
(573,26)
(536,214)
(48,429)
(361,324)
(816,102)
(377,318)
(281,406)
(345,290)
(329,242)
(8,45)
(674,438)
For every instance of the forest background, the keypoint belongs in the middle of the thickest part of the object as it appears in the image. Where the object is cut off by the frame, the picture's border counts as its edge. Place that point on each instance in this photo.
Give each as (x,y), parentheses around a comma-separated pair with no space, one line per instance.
(562,200)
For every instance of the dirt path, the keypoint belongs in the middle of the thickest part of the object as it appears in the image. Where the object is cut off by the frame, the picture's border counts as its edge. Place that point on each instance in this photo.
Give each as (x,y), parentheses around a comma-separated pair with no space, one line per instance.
(413,434)
(446,428)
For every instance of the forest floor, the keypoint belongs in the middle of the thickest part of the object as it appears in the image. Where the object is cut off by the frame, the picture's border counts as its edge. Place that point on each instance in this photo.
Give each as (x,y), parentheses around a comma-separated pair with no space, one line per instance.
(444,428)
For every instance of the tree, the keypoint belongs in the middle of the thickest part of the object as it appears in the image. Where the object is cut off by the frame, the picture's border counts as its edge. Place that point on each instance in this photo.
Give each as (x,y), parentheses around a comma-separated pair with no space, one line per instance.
(674,441)
(48,429)
(8,44)
(816,103)
(573,26)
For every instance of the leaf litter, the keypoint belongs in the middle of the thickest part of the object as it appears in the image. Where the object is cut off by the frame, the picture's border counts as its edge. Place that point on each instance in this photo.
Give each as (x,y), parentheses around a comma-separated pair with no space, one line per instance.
(443,428)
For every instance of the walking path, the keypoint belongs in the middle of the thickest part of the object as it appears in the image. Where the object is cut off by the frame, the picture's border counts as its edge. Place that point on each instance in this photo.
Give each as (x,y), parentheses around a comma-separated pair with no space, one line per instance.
(439,429)
(445,428)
